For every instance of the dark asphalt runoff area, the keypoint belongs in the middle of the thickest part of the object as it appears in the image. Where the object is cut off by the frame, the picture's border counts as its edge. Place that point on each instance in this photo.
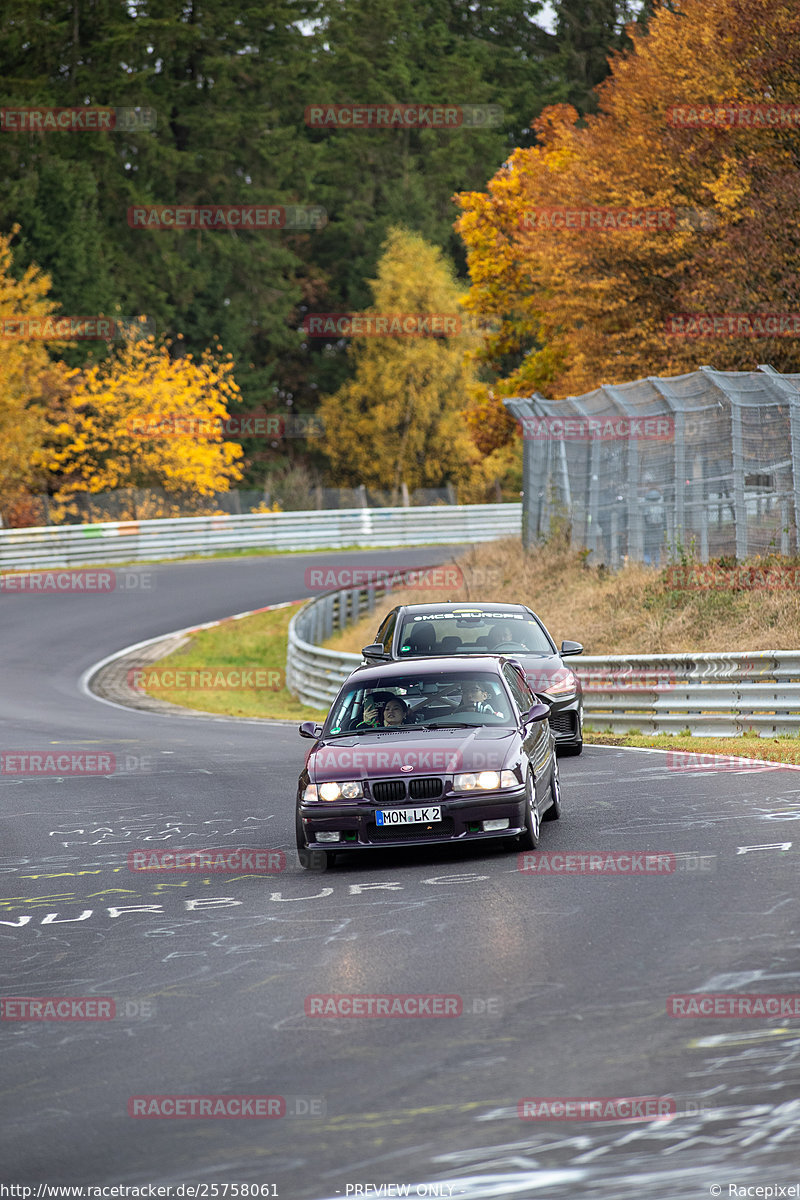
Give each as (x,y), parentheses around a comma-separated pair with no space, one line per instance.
(562,979)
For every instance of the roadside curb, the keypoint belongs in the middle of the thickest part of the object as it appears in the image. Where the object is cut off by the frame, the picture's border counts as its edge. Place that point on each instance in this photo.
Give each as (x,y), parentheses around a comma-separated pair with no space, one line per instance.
(107,680)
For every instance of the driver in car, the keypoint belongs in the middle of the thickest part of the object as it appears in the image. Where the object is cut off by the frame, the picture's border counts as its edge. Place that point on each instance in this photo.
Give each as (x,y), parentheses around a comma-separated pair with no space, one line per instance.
(503,633)
(475,698)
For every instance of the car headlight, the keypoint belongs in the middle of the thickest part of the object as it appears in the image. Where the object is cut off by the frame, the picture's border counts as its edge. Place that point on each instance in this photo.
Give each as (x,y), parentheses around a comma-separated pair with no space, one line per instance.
(485,781)
(349,790)
(563,683)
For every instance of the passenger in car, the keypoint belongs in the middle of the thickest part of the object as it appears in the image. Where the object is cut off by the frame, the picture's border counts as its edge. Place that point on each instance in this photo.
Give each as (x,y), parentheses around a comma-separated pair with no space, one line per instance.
(396,713)
(374,707)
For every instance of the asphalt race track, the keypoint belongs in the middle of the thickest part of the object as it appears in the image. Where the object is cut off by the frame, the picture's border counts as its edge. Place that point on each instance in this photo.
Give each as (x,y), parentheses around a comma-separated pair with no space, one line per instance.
(563,979)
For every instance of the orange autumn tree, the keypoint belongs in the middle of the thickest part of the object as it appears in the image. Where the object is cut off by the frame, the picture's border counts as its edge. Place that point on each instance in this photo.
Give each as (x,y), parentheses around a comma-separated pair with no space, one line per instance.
(578,308)
(143,419)
(29,382)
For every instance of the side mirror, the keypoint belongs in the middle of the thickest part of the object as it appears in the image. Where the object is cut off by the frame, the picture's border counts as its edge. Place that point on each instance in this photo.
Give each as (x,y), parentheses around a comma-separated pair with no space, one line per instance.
(539,712)
(376,650)
(309,729)
(570,648)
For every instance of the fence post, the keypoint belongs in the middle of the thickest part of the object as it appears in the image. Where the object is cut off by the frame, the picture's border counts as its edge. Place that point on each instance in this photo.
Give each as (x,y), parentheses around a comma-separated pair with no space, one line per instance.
(739,504)
(635,529)
(679,461)
(594,497)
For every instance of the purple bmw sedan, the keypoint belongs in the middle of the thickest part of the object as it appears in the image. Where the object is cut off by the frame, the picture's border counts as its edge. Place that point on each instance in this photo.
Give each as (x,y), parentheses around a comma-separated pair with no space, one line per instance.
(428,751)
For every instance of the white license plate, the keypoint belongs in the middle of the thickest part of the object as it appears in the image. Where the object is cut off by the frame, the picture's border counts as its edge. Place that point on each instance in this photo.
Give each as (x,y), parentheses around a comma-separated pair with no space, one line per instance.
(408,816)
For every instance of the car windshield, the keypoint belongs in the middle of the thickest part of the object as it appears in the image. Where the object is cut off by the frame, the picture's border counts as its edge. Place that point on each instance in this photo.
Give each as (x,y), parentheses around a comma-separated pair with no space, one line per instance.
(412,701)
(471,632)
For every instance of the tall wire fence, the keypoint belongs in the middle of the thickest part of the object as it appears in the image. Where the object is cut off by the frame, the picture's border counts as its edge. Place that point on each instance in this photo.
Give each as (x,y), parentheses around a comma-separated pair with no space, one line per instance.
(707,462)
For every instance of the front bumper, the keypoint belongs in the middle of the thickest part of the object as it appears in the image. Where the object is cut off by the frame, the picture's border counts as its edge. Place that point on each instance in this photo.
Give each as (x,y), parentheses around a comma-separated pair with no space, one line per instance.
(566,721)
(460,816)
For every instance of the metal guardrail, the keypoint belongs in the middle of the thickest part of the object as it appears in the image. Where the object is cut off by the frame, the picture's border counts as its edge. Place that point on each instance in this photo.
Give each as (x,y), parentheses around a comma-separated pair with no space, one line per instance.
(721,695)
(137,541)
(315,674)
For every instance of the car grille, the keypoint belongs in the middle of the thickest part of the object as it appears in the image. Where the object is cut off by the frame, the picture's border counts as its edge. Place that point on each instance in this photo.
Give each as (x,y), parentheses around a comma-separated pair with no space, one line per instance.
(563,723)
(391,790)
(410,833)
(424,789)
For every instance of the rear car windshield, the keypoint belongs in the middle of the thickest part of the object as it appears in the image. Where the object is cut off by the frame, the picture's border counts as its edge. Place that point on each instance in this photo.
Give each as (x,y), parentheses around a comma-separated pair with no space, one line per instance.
(476,633)
(447,698)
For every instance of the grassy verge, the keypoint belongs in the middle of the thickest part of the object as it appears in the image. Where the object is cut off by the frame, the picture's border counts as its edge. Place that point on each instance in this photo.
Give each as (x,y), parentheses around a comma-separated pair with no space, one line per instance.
(636,610)
(781,749)
(257,642)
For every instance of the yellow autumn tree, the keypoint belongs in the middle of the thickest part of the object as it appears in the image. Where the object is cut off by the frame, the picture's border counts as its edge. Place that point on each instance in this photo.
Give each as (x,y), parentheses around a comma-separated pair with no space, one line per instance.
(400,418)
(587,305)
(143,419)
(29,381)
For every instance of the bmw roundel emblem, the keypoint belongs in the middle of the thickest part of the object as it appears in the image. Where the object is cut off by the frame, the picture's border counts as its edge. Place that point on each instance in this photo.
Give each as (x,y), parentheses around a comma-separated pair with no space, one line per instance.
(406,768)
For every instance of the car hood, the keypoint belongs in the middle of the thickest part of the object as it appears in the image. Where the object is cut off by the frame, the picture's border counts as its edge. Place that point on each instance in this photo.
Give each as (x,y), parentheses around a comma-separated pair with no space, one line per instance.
(430,752)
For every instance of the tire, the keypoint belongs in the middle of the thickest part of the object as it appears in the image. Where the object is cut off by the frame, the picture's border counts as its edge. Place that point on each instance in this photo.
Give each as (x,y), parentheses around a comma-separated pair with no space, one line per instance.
(554,811)
(529,840)
(572,750)
(311,858)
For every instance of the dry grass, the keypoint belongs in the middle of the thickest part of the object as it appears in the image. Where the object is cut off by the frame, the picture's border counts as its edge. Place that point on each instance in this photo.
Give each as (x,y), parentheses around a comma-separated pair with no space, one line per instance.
(637,610)
(783,749)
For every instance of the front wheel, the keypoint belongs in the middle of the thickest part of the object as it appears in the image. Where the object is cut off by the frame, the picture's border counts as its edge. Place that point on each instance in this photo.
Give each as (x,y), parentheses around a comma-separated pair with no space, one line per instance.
(311,858)
(529,840)
(571,750)
(316,860)
(554,811)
